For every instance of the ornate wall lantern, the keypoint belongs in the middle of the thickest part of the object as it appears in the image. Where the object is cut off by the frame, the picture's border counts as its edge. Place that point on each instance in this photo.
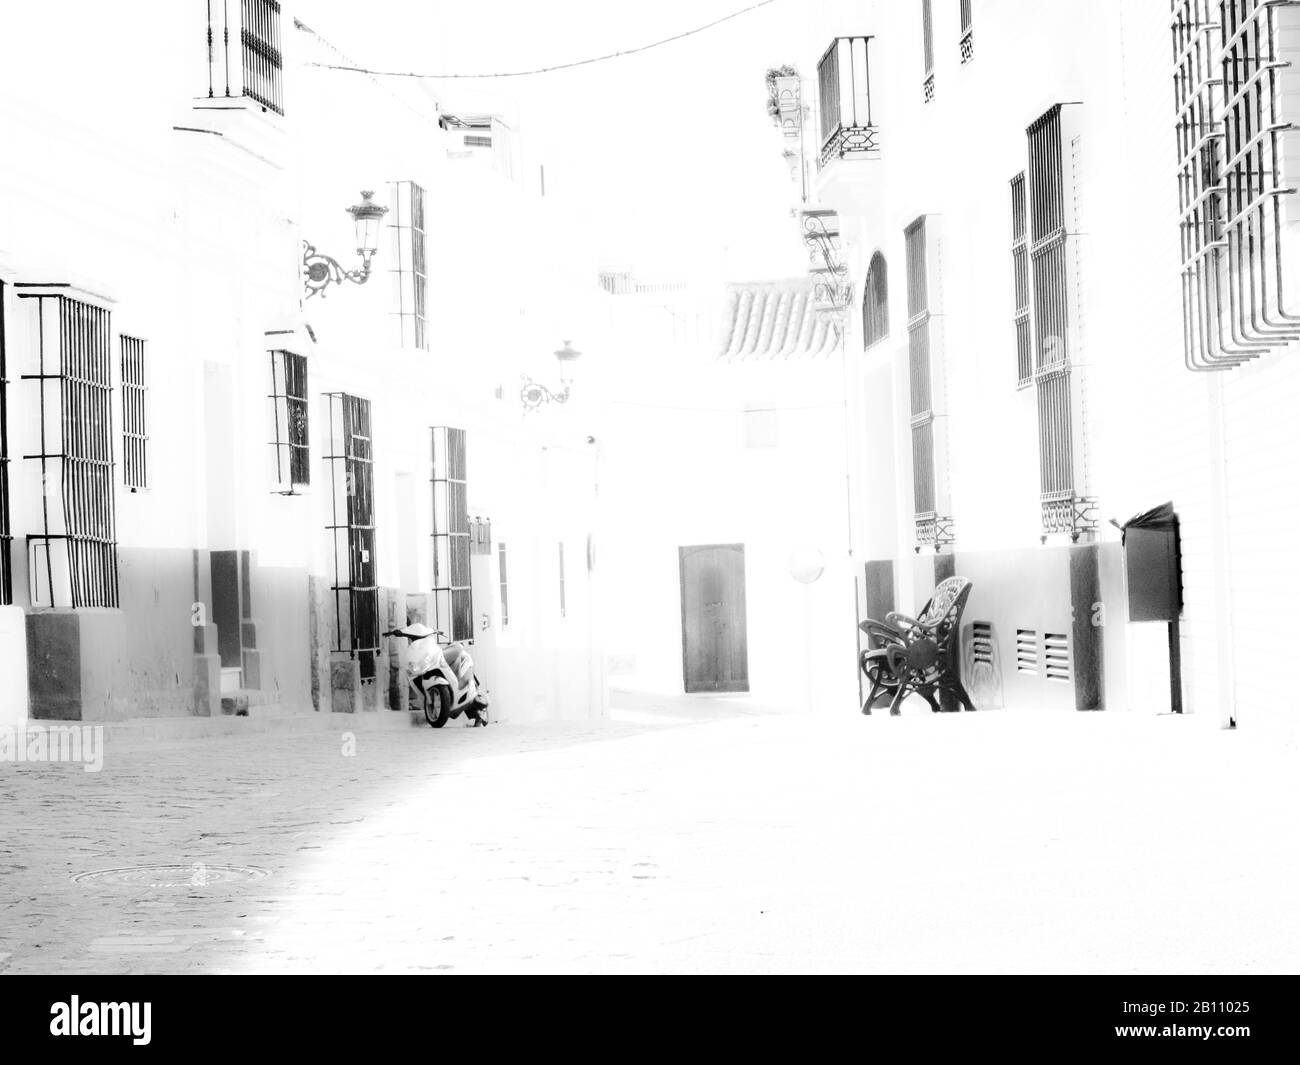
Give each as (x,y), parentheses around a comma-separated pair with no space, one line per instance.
(322,270)
(534,394)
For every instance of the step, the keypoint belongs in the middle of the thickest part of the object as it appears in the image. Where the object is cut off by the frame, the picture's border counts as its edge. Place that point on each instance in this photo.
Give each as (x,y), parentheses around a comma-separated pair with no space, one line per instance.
(261,720)
(241,700)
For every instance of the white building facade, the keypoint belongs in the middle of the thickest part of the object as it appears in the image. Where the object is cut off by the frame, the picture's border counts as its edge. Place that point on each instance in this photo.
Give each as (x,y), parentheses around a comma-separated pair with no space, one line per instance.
(226,474)
(1054,327)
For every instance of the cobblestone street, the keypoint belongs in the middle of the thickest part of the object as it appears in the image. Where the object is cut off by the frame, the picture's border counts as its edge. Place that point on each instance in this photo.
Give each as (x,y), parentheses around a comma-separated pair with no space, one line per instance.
(692,836)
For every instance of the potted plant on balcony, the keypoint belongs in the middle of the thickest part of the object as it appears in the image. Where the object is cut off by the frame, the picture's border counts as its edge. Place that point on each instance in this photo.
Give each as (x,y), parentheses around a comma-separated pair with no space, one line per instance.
(773,98)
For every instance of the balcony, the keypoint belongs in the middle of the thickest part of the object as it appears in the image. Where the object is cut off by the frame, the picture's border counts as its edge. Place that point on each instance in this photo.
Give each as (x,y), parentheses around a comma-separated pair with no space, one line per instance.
(848,129)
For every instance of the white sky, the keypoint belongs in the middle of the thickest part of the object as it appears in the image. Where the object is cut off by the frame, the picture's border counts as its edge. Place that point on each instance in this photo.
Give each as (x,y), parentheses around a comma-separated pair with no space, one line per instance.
(669,154)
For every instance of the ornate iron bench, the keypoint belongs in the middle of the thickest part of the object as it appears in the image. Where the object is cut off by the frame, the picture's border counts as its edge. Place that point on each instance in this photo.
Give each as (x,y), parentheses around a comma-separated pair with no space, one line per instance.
(918,655)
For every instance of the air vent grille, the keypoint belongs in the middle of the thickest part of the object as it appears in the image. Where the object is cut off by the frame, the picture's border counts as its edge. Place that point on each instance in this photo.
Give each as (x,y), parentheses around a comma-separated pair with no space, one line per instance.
(982,643)
(1027,651)
(1056,652)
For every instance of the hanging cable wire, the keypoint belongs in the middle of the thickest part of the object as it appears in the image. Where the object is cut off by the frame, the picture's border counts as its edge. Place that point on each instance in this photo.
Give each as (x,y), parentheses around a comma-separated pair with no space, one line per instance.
(557,66)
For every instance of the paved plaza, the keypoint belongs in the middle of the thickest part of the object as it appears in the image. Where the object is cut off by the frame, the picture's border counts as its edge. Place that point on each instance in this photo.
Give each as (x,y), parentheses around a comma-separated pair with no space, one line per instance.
(683,835)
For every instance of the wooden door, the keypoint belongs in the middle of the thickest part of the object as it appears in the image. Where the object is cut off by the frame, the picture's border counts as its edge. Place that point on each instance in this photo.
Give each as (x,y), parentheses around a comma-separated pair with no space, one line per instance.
(715,654)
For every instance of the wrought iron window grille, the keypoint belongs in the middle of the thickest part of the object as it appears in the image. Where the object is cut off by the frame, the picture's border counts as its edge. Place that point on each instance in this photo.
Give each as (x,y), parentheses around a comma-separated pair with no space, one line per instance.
(932,528)
(72,561)
(453,604)
(351,530)
(410,271)
(135,422)
(927,40)
(1233,114)
(290,440)
(503,584)
(1020,277)
(563,603)
(1063,507)
(875,302)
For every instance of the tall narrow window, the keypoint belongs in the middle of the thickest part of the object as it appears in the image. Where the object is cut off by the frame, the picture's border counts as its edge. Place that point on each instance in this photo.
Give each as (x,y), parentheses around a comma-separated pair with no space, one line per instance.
(875,303)
(452,597)
(1050,252)
(289,421)
(563,605)
(72,560)
(1020,275)
(135,423)
(918,362)
(6,538)
(262,62)
(927,42)
(503,584)
(967,33)
(350,463)
(410,274)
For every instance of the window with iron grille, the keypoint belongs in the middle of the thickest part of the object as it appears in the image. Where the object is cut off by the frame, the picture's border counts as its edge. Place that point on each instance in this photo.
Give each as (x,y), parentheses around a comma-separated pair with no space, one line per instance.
(563,605)
(452,597)
(927,40)
(502,583)
(875,302)
(6,538)
(967,44)
(1051,249)
(351,529)
(135,422)
(410,275)
(289,440)
(918,361)
(1020,274)
(72,561)
(1234,115)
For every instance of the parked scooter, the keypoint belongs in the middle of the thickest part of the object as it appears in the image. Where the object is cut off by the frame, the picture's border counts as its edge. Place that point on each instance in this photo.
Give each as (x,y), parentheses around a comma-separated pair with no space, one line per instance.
(442,677)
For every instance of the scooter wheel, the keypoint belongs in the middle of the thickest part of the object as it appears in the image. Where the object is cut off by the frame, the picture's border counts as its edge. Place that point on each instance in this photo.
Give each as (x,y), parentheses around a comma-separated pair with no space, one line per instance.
(437,706)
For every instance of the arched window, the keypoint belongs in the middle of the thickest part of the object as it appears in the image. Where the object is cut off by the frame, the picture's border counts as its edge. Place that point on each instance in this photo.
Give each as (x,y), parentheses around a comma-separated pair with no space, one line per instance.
(875,302)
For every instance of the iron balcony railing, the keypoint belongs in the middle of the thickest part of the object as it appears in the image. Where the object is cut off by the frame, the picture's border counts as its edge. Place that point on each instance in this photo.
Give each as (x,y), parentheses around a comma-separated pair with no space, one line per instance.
(967,44)
(848,126)
(244,57)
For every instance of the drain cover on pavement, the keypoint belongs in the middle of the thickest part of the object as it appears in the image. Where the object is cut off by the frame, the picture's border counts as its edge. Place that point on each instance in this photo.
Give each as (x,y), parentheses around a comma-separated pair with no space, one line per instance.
(197,874)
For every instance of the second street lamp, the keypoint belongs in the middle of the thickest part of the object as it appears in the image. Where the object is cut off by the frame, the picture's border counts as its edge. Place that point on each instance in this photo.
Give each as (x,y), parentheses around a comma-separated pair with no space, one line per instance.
(534,394)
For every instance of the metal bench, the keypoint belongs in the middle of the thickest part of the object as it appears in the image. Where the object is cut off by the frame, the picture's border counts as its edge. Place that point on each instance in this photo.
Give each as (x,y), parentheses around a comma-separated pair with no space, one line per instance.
(918,655)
